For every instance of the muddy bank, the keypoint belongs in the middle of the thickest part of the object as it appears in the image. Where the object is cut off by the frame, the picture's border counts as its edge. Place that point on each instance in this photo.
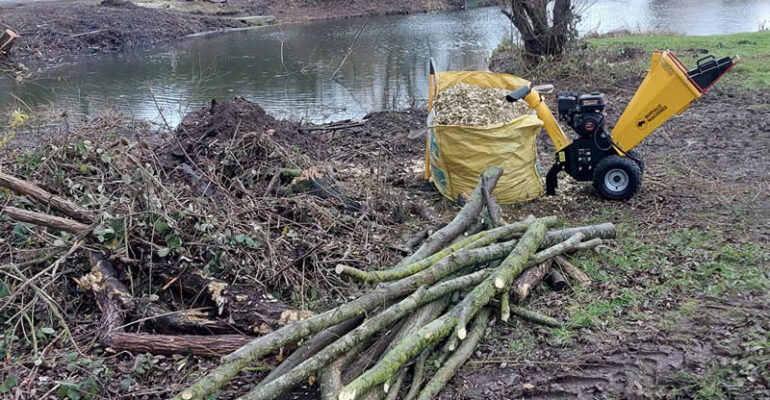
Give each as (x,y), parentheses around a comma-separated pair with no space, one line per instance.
(52,33)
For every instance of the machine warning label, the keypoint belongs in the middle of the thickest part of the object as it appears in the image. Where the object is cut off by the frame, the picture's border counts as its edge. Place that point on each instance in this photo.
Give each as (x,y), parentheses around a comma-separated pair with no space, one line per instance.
(660,108)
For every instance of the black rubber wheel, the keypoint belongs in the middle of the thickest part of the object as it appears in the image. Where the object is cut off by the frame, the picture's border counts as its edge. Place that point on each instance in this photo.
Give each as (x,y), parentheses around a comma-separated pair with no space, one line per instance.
(636,156)
(617,178)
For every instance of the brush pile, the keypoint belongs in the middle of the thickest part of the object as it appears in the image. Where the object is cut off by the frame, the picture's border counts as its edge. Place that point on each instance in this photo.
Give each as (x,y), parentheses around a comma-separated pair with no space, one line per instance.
(463,104)
(433,306)
(189,241)
(184,246)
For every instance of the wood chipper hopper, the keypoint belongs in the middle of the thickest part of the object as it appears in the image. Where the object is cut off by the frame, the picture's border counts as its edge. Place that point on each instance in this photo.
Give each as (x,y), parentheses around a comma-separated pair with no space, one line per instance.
(608,159)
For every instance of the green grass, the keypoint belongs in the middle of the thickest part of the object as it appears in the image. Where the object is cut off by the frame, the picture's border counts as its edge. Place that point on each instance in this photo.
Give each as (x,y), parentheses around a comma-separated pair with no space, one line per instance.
(753,71)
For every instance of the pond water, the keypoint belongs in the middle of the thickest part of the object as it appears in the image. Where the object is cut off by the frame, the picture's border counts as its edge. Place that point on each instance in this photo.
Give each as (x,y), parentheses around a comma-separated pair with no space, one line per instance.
(287,69)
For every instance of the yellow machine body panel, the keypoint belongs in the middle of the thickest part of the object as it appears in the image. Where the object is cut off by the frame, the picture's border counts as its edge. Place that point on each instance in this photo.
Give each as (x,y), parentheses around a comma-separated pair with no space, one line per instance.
(665,91)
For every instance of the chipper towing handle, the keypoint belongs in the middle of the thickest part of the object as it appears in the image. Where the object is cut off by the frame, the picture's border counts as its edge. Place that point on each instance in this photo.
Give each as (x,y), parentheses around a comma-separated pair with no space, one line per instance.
(608,159)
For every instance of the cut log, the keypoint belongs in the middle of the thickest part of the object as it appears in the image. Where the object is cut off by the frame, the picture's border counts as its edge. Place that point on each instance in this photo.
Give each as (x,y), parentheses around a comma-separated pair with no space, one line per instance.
(58,203)
(572,271)
(527,281)
(505,305)
(6,40)
(45,220)
(555,280)
(535,317)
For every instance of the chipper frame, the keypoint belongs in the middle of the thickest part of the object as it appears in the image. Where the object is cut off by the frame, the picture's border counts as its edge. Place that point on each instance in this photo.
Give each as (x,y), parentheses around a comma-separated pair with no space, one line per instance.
(608,159)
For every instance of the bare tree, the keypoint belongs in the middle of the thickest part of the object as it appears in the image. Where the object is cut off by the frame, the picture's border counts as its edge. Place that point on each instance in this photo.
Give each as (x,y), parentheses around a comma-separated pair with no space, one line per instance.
(541,35)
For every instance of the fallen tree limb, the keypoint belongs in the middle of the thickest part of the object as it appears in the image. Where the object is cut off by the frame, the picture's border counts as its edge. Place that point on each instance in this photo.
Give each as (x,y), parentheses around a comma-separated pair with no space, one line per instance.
(208,345)
(535,317)
(45,220)
(56,202)
(463,353)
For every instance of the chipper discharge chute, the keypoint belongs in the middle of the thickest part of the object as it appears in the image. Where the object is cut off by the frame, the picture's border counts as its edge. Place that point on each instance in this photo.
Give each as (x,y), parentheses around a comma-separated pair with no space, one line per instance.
(608,159)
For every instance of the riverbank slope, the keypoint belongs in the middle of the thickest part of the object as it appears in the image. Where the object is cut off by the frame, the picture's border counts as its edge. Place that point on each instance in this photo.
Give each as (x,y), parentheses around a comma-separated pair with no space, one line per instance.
(52,33)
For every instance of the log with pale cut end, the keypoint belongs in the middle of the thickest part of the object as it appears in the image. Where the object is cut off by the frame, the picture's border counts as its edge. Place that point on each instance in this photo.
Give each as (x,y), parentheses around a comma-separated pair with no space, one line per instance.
(527,281)
(478,240)
(272,389)
(446,349)
(572,271)
(461,222)
(393,389)
(535,317)
(463,353)
(505,303)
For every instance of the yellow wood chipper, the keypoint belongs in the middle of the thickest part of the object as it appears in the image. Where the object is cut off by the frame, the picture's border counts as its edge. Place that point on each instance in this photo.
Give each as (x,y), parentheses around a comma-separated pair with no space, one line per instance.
(608,158)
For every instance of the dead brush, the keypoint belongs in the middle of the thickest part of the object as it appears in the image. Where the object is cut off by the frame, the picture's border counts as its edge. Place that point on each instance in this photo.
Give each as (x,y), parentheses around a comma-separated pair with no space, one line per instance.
(160,230)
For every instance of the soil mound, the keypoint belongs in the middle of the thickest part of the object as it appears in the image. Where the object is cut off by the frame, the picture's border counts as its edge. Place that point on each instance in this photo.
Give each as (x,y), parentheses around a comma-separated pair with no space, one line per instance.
(203,131)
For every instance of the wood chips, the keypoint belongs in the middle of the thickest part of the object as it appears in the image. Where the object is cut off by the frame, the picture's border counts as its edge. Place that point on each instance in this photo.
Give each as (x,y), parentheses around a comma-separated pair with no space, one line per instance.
(469,105)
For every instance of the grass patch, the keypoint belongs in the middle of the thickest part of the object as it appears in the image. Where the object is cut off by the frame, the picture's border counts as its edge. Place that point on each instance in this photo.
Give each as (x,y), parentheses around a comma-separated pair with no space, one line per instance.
(753,71)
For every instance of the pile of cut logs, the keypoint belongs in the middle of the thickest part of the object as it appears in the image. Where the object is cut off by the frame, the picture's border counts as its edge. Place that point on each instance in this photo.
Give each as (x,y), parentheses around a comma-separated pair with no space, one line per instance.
(432,307)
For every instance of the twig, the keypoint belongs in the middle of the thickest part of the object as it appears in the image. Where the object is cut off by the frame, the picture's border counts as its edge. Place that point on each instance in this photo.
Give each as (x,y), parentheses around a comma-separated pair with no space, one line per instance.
(350,50)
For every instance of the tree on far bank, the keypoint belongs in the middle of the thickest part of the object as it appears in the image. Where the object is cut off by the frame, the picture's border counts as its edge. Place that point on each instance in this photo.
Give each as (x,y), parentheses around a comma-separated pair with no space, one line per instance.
(540,34)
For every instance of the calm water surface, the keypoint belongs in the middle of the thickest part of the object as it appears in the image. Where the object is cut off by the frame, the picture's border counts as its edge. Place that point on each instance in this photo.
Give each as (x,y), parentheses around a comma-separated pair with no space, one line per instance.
(287,69)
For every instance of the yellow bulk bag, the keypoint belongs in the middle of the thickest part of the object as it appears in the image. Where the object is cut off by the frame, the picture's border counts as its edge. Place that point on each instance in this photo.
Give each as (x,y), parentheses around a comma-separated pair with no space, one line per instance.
(459,154)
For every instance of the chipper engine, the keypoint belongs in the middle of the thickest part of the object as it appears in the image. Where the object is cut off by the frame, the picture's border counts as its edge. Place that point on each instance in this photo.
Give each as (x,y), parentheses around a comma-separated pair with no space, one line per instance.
(607,157)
